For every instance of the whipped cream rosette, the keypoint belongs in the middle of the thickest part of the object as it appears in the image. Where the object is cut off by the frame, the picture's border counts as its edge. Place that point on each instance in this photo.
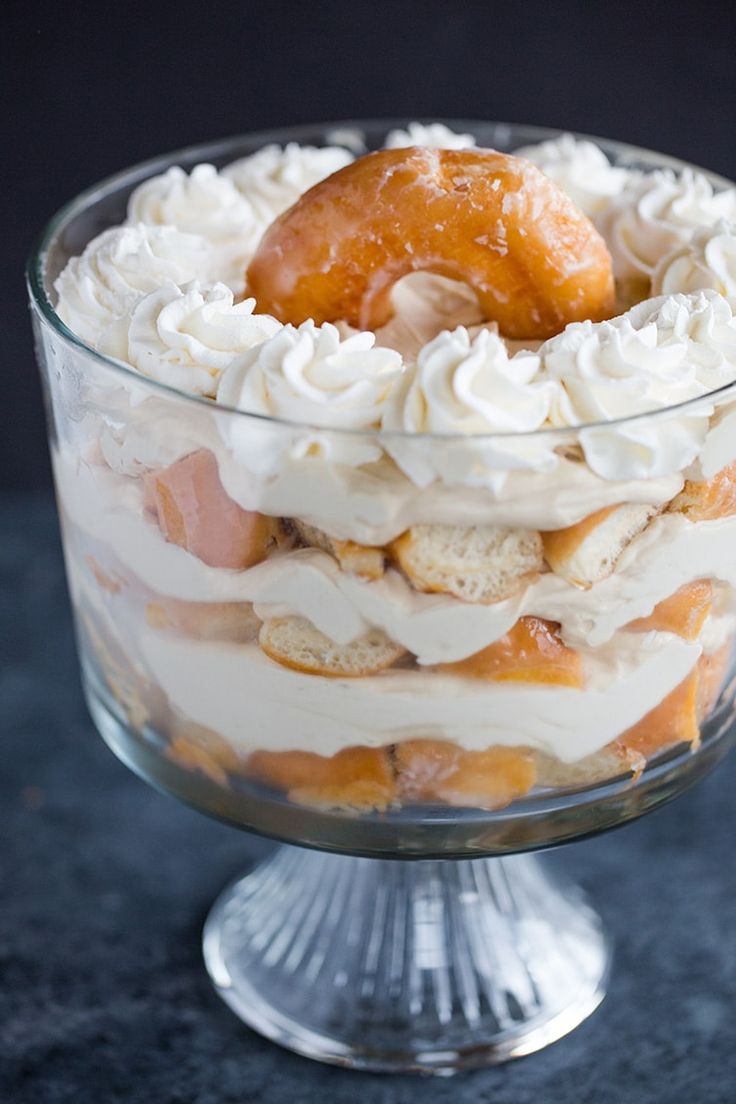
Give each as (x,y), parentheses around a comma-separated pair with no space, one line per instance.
(473,389)
(96,290)
(309,376)
(656,213)
(202,202)
(581,169)
(187,336)
(429,135)
(650,359)
(707,260)
(274,177)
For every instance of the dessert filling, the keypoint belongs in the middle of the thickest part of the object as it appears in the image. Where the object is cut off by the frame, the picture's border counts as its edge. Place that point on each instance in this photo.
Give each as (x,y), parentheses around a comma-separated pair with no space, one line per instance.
(420,484)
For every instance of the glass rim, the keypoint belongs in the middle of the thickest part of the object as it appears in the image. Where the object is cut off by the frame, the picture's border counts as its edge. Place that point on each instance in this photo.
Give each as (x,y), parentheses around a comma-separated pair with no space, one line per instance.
(41,303)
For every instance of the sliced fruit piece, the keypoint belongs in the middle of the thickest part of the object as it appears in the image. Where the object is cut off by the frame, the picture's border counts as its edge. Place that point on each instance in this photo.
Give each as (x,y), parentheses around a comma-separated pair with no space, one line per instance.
(358,559)
(108,581)
(585,553)
(436,770)
(232,621)
(706,500)
(673,721)
(193,510)
(683,613)
(355,778)
(531,651)
(199,749)
(482,563)
(713,671)
(611,761)
(295,642)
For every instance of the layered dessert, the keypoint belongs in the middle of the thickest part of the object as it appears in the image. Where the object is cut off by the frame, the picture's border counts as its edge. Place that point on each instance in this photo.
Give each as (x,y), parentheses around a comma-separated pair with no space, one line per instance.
(406,476)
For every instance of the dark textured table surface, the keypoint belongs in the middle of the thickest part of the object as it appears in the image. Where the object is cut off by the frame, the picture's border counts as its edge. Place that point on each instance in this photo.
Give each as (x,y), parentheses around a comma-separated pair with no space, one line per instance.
(105,885)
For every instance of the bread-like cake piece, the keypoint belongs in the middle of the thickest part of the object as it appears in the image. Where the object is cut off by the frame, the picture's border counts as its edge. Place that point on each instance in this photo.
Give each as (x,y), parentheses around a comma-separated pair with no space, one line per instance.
(683,613)
(585,553)
(708,499)
(230,621)
(295,642)
(358,559)
(531,651)
(354,778)
(440,771)
(483,563)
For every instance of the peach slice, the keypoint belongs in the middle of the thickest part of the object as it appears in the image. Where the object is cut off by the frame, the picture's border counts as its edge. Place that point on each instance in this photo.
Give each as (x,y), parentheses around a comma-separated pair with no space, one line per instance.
(673,721)
(354,778)
(203,751)
(435,770)
(107,581)
(713,670)
(683,613)
(706,500)
(532,651)
(193,510)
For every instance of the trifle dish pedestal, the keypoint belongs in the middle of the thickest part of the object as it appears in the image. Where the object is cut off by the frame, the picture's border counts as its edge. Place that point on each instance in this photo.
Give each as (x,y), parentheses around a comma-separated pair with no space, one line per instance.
(413,650)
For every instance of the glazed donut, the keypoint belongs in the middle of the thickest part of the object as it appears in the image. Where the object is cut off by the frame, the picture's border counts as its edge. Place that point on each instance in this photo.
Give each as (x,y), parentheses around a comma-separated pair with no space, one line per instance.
(494,221)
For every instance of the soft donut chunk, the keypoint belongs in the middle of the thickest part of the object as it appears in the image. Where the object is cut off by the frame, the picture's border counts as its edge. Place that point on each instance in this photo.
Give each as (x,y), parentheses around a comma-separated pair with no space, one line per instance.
(534,260)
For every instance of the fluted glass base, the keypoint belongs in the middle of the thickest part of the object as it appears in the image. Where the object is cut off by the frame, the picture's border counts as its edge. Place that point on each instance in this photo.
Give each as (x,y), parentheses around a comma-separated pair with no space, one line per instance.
(433,966)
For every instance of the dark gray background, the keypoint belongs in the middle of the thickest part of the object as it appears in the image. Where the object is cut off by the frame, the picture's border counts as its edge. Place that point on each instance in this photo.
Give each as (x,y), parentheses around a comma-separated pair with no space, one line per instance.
(93,87)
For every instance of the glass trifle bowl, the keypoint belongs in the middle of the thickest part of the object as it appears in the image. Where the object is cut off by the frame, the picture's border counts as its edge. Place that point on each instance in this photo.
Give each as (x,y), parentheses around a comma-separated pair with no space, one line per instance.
(377,640)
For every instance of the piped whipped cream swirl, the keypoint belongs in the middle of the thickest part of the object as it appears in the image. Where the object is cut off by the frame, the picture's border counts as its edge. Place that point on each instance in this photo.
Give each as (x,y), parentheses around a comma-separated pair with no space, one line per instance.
(707,260)
(656,213)
(118,267)
(580,168)
(704,323)
(308,375)
(203,202)
(274,178)
(429,135)
(186,336)
(659,354)
(469,389)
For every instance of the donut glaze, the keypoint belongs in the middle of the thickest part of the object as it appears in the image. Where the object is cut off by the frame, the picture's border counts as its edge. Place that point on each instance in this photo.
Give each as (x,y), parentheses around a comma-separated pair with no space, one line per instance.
(494,221)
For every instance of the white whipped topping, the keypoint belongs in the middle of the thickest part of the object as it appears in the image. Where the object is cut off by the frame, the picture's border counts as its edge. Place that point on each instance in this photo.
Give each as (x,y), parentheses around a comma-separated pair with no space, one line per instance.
(216,685)
(656,213)
(204,202)
(703,323)
(662,352)
(580,168)
(308,375)
(186,336)
(97,290)
(273,178)
(429,135)
(707,260)
(468,388)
